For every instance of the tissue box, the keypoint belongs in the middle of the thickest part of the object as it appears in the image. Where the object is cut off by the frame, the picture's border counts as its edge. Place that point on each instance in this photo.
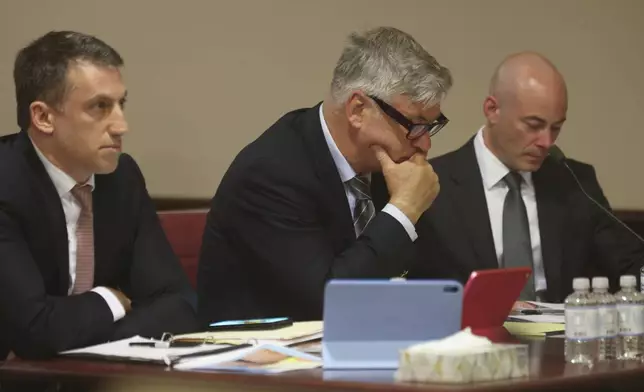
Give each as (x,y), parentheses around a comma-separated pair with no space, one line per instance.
(437,362)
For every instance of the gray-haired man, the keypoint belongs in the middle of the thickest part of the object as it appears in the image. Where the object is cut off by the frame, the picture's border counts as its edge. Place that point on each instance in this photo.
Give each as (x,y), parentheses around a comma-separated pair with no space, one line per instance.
(296,207)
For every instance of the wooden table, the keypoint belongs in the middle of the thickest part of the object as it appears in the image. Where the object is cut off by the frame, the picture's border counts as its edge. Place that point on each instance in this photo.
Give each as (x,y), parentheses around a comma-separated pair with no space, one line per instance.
(548,371)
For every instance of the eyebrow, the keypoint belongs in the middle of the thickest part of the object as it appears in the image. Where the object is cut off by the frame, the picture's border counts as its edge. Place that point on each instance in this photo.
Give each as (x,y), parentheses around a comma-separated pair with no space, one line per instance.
(541,120)
(105,96)
(534,118)
(561,121)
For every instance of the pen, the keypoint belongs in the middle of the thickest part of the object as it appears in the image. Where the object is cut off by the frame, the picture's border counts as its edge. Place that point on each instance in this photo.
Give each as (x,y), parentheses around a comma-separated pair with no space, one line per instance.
(541,311)
(187,343)
(172,344)
(150,344)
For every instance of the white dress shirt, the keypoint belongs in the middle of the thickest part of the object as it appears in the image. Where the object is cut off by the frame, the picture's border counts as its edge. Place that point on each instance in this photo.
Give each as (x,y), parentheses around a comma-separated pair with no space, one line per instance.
(492,172)
(347,173)
(72,209)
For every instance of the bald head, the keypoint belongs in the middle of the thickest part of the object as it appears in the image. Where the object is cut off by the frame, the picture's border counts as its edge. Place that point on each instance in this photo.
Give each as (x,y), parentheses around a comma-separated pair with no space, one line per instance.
(527,72)
(525,110)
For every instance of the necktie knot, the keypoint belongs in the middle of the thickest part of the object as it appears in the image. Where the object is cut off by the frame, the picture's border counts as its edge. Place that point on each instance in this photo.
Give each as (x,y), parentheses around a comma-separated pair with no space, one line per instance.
(361,186)
(83,193)
(513,180)
(363,210)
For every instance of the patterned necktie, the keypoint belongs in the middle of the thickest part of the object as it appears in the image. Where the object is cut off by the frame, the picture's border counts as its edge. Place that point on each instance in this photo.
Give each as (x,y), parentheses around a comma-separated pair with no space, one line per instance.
(364,210)
(84,240)
(517,247)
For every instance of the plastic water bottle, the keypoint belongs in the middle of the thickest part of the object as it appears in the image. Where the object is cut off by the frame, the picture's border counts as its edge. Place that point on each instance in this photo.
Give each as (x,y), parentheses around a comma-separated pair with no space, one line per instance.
(581,324)
(630,310)
(607,319)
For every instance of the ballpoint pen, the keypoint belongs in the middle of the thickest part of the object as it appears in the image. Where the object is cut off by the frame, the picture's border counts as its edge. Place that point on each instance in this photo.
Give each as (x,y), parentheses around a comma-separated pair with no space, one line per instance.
(186,343)
(151,344)
(541,311)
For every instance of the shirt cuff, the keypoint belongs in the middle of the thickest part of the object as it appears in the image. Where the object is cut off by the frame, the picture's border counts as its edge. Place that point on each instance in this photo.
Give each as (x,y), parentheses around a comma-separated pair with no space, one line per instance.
(402,218)
(118,311)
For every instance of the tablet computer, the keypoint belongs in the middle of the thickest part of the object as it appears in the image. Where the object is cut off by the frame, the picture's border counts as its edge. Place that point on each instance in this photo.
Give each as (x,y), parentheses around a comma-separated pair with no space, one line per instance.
(368,322)
(489,295)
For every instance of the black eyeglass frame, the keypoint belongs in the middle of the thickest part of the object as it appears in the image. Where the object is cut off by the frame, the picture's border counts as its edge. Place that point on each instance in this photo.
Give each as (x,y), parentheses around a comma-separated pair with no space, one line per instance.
(414,130)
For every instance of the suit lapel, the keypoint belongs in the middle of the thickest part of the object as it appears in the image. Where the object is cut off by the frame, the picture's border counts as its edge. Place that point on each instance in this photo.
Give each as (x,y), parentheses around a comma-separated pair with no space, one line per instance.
(52,207)
(337,208)
(552,215)
(470,203)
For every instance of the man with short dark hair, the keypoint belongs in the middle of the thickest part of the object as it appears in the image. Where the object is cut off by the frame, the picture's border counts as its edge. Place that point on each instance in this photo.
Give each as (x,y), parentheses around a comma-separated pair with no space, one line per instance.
(83,257)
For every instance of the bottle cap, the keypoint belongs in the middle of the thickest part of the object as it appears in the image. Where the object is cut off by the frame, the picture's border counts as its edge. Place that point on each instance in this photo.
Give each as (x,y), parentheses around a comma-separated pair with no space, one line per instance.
(600,282)
(627,281)
(580,283)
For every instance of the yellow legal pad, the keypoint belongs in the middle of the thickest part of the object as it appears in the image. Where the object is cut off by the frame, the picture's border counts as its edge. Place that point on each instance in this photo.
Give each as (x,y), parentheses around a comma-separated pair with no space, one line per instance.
(533,329)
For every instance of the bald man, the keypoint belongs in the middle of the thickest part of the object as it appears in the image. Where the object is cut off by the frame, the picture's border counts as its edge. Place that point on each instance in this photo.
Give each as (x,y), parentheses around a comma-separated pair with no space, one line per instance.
(505,203)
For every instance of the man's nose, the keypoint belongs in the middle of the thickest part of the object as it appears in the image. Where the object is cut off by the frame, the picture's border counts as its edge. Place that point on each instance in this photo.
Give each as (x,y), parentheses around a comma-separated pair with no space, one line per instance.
(545,139)
(119,125)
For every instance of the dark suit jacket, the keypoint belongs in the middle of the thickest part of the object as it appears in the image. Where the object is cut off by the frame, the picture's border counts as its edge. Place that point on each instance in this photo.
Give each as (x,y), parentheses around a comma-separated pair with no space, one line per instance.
(280,227)
(577,239)
(37,317)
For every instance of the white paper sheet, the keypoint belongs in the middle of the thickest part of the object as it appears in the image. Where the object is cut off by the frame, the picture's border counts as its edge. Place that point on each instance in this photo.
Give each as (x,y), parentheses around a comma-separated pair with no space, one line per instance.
(540,318)
(265,358)
(297,333)
(121,349)
(548,305)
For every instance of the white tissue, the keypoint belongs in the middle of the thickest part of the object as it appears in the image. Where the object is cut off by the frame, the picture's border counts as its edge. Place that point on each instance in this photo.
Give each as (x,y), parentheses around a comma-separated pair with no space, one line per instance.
(461,358)
(462,340)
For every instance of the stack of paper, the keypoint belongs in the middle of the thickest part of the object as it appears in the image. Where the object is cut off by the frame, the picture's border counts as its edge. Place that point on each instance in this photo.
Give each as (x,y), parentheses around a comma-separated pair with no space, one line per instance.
(542,312)
(262,358)
(534,329)
(299,332)
(548,305)
(265,358)
(122,350)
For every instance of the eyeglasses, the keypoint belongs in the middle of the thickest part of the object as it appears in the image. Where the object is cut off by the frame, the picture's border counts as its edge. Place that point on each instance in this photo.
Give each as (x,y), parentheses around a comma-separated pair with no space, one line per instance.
(414,130)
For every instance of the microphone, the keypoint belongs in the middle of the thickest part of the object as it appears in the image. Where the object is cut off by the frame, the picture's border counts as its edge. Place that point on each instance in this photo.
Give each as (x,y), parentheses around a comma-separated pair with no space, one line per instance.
(559,157)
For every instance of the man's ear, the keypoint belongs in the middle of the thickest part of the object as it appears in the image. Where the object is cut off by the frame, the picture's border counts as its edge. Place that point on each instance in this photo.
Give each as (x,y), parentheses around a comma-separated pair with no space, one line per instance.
(491,109)
(355,108)
(42,117)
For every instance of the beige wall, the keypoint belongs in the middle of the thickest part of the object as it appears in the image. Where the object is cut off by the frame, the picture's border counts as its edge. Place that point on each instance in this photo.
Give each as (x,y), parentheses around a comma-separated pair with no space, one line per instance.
(206,77)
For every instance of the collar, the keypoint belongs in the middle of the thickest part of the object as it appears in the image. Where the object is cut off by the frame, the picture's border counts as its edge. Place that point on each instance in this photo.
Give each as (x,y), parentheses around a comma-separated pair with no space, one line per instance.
(62,181)
(492,169)
(344,169)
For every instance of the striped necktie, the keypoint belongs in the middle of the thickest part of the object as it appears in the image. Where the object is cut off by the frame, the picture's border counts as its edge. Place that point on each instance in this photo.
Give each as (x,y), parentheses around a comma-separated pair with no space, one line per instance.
(364,210)
(84,240)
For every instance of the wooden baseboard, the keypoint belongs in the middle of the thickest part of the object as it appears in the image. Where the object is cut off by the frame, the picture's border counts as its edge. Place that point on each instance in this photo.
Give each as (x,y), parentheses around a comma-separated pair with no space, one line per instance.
(177,203)
(633,218)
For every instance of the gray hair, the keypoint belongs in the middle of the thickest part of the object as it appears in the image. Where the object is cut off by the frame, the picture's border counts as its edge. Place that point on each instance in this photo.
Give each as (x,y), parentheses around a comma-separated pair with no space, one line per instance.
(385,62)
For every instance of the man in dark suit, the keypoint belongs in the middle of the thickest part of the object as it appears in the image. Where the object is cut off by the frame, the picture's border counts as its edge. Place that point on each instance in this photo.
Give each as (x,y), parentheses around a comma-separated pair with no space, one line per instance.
(505,202)
(83,258)
(295,207)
